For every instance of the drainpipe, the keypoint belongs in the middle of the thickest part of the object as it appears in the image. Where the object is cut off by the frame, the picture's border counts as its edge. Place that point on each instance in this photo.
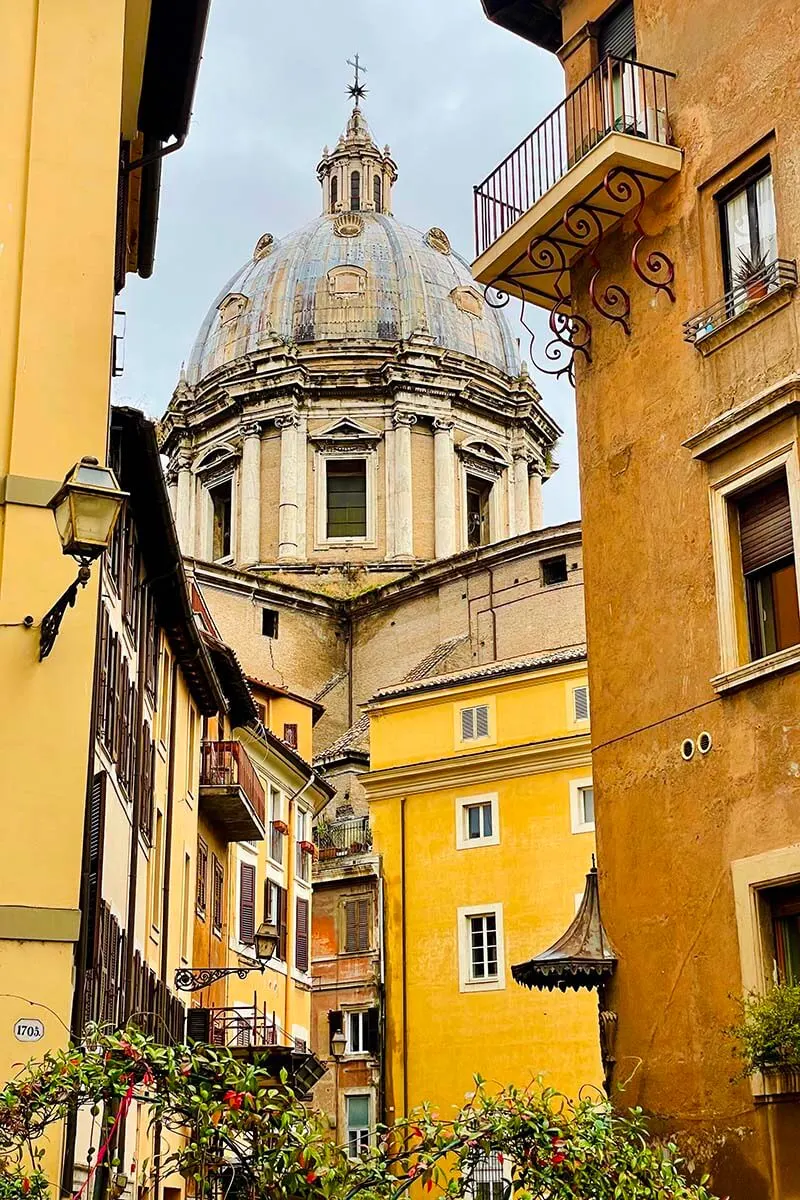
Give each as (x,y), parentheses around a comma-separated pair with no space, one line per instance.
(403,950)
(173,722)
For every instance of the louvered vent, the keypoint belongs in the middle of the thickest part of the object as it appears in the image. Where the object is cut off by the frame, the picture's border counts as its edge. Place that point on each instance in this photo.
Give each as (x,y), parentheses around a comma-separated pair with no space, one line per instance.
(580,698)
(474,722)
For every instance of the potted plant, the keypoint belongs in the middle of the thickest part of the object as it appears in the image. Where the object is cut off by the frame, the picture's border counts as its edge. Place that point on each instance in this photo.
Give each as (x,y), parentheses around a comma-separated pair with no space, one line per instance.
(769,1034)
(751,275)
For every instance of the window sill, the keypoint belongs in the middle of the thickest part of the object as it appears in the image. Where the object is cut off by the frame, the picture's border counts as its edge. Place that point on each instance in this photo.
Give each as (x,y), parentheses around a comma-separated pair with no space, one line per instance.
(756,312)
(586,828)
(489,985)
(755,672)
(475,843)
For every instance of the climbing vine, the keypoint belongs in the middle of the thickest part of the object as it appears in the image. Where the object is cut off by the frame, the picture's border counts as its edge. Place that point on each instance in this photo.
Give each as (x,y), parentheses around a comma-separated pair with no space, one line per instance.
(223,1113)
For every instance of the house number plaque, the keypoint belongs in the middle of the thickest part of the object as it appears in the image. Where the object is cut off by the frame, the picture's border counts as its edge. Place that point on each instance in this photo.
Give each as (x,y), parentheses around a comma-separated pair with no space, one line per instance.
(29,1030)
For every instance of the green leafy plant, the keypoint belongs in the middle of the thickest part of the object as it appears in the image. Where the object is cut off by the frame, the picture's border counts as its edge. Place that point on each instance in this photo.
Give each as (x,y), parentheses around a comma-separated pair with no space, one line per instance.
(224,1113)
(769,1031)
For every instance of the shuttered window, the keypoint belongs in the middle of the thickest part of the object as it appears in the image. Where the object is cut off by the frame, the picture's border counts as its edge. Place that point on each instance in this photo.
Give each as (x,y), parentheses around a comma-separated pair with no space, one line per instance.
(346,484)
(335,1025)
(357,920)
(617,34)
(580,703)
(218,883)
(247,903)
(765,526)
(301,936)
(283,912)
(474,722)
(202,877)
(97,817)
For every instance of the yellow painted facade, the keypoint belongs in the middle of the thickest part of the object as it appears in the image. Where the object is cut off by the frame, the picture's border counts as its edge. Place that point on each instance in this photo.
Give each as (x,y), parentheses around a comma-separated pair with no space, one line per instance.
(443,1026)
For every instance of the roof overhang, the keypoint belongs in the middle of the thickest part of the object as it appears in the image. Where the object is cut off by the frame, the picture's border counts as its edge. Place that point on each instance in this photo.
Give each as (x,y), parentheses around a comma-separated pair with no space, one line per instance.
(583,957)
(538,21)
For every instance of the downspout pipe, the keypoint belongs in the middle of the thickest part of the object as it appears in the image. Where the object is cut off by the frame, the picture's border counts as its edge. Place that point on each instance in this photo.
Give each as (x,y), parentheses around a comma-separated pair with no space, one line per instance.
(173,724)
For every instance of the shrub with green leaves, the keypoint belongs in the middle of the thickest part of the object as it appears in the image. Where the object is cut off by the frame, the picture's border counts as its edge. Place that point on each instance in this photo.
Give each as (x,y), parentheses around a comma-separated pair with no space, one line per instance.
(769,1031)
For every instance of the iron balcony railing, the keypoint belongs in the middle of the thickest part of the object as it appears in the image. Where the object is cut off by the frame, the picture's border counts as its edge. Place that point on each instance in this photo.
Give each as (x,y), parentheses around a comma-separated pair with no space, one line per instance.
(779,275)
(227,764)
(619,96)
(242,1027)
(343,839)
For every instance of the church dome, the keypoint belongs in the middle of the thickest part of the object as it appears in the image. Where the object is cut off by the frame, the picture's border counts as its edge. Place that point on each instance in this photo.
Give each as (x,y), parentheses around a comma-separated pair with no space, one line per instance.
(353,274)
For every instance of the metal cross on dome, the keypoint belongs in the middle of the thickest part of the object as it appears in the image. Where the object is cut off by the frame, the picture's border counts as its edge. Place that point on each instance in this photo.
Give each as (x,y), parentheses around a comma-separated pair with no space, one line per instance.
(356,89)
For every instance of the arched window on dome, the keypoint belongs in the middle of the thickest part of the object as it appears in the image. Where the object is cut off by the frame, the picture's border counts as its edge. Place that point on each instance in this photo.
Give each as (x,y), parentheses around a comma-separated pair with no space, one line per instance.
(355,191)
(334,192)
(377,193)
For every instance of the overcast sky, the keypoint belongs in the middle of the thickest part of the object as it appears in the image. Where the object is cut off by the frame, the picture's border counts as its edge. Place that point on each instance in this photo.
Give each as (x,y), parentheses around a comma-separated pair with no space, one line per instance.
(450,93)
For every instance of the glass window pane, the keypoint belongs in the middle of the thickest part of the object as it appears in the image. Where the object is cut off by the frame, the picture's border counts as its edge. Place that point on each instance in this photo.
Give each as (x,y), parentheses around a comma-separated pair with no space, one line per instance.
(765,206)
(487,820)
(587,805)
(358,1112)
(473,821)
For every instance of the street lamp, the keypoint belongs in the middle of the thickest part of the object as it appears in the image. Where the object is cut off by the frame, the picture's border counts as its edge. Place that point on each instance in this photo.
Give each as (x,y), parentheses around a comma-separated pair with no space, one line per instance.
(86,508)
(193,979)
(338,1047)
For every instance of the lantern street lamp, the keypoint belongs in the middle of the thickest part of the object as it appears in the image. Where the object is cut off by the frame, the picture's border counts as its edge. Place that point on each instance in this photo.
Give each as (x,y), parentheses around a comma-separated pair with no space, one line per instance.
(86,508)
(192,979)
(338,1048)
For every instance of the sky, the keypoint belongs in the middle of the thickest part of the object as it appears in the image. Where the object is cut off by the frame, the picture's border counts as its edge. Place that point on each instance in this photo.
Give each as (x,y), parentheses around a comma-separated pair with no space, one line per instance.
(451,93)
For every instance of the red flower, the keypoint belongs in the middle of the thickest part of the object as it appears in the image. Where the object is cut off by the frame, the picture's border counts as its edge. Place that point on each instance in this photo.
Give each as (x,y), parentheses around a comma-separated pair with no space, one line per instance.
(500,1159)
(26,1185)
(311,1177)
(186,1069)
(557,1158)
(412,1172)
(429,1185)
(233,1099)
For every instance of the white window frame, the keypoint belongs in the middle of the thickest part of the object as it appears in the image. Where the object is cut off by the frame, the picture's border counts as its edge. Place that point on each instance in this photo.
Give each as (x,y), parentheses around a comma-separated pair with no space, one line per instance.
(321,459)
(736,664)
(463,841)
(465,980)
(496,480)
(507,1168)
(273,788)
(303,827)
(347,1014)
(352,1092)
(487,702)
(207,514)
(576,786)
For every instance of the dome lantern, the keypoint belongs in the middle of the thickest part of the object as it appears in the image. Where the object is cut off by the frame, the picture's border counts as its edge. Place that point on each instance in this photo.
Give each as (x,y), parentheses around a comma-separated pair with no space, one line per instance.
(356,176)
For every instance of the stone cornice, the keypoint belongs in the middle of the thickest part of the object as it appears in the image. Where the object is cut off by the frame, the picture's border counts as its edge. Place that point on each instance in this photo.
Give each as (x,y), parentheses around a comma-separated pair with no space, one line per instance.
(486,766)
(776,402)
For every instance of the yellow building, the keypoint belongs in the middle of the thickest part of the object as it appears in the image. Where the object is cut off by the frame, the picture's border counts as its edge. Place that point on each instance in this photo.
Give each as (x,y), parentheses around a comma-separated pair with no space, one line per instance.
(86,88)
(482,806)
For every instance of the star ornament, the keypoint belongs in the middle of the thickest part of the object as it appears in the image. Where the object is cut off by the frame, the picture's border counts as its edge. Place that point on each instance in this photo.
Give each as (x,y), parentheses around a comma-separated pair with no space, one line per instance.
(357,91)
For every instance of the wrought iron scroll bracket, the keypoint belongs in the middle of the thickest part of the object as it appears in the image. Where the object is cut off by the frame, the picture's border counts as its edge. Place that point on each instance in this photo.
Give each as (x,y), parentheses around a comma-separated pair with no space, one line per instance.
(193,979)
(51,621)
(584,223)
(655,269)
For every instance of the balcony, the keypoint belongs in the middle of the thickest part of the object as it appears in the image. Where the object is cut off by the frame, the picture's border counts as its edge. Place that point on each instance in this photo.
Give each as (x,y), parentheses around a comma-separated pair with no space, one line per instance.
(742,305)
(595,159)
(250,1032)
(337,840)
(231,794)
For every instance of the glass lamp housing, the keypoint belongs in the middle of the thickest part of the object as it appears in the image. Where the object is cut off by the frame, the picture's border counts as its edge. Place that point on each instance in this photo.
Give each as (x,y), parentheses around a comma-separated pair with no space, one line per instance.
(266,941)
(86,508)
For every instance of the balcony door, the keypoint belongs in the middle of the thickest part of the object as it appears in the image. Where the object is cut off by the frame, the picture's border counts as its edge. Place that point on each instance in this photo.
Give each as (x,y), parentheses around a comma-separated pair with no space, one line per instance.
(624,99)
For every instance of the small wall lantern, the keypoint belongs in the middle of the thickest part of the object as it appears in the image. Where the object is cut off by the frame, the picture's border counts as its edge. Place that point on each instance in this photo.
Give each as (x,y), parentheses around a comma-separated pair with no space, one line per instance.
(193,979)
(86,508)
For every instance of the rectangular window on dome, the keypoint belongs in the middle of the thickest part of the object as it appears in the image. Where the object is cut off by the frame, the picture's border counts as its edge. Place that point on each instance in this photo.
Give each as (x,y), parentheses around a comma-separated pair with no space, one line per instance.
(479,492)
(346,497)
(221,510)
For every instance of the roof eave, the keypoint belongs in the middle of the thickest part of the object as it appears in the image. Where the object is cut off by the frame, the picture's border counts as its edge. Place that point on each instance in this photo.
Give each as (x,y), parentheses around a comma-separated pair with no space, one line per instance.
(538,21)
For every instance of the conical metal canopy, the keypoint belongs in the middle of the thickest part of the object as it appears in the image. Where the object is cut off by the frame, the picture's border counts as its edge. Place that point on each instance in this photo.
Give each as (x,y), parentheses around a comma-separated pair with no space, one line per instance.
(582,957)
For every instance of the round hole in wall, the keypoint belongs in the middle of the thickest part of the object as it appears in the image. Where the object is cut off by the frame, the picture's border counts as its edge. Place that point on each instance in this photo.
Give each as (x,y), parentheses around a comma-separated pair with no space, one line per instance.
(704,742)
(687,749)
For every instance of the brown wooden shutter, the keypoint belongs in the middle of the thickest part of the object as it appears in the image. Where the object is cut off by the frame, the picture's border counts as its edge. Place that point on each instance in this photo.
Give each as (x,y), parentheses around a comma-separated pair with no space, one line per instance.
(198,1025)
(372,1038)
(301,936)
(283,913)
(364,909)
(202,874)
(102,681)
(247,903)
(335,1025)
(765,526)
(350,927)
(94,882)
(617,33)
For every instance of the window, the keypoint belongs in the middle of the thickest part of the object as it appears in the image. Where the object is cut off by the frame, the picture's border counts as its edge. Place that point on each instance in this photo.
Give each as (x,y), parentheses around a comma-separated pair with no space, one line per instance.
(483,947)
(376,192)
(158,875)
(275,912)
(357,922)
(202,878)
(247,903)
(303,839)
(290,735)
(261,709)
(768,566)
(275,816)
(784,907)
(749,242)
(358,1124)
(486,1179)
(221,509)
(617,33)
(187,906)
(271,890)
(474,723)
(301,958)
(581,794)
(355,191)
(217,888)
(477,821)
(346,497)
(479,492)
(361,1030)
(554,570)
(580,703)
(334,192)
(269,622)
(480,948)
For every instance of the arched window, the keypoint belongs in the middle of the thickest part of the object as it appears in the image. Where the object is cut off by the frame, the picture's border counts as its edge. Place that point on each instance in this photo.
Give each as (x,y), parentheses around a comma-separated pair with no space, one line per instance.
(376,193)
(355,191)
(334,192)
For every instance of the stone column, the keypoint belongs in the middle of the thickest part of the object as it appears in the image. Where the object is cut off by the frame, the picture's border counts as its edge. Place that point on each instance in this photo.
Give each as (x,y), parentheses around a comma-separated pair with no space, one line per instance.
(536,508)
(522,514)
(184,506)
(250,492)
(288,511)
(403,486)
(444,493)
(388,516)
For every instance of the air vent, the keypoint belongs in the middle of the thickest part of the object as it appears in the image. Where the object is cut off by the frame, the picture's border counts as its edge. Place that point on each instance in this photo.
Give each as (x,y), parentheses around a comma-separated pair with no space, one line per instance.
(580,701)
